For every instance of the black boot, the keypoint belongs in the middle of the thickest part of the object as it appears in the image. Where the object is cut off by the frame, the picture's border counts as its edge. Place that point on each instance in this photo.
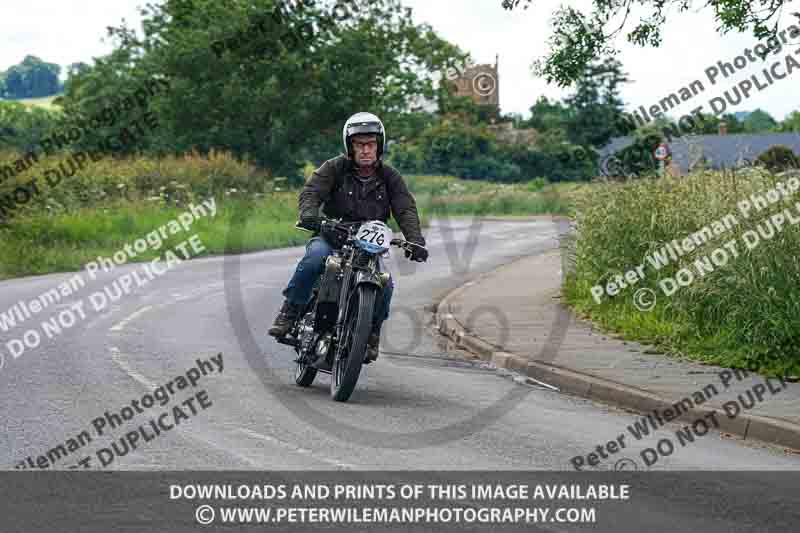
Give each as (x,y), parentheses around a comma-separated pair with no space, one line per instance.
(373,346)
(286,317)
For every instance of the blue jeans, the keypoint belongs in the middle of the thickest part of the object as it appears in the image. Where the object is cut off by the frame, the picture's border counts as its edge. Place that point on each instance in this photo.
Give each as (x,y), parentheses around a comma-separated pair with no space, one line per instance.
(312,265)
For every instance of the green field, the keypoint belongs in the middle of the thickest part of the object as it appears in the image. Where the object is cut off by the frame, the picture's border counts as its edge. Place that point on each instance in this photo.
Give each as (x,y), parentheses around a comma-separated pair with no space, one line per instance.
(44,102)
(113,203)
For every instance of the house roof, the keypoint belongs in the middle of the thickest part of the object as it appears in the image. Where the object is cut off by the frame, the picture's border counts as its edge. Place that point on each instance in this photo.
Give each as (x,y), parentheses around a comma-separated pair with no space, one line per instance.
(720,151)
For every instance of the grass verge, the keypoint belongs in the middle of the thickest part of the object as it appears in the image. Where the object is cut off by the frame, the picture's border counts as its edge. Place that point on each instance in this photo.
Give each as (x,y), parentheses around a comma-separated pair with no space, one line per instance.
(41,243)
(743,312)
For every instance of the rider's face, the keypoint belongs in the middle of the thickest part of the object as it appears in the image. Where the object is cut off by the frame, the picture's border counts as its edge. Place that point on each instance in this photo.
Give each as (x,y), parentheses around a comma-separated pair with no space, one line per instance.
(365,149)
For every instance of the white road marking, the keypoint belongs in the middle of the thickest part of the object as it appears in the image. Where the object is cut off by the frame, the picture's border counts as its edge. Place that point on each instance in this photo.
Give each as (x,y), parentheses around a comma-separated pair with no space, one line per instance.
(295,449)
(102,317)
(540,383)
(116,356)
(121,325)
(213,295)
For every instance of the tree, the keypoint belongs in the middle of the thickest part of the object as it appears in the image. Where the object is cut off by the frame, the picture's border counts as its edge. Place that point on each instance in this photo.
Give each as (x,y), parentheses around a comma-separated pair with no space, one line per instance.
(264,78)
(579,39)
(465,107)
(596,105)
(638,158)
(779,158)
(710,125)
(22,127)
(74,69)
(32,78)
(548,115)
(790,124)
(759,121)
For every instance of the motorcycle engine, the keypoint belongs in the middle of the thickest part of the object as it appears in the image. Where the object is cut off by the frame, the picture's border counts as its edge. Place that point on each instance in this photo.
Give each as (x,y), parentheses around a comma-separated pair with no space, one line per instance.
(323,345)
(306,334)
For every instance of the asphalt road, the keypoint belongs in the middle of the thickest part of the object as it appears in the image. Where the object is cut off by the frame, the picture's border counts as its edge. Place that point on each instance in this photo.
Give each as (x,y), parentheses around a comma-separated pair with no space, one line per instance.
(416,408)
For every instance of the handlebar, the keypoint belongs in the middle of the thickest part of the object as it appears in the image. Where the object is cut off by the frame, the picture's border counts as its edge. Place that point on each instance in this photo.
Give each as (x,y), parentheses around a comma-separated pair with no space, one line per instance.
(400,243)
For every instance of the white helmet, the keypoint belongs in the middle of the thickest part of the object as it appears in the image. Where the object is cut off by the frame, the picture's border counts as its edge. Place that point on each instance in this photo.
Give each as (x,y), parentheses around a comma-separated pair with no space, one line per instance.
(363,124)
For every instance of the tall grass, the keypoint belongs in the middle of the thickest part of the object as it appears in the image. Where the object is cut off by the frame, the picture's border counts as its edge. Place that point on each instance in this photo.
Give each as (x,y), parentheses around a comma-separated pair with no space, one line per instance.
(67,241)
(113,202)
(446,195)
(744,314)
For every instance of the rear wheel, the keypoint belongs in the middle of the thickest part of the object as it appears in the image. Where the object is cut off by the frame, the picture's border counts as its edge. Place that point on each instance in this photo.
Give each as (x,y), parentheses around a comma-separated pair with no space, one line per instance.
(347,364)
(304,373)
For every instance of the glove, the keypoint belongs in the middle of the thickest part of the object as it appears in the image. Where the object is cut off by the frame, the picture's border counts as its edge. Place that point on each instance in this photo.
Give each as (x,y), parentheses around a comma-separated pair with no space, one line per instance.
(310,223)
(334,234)
(417,253)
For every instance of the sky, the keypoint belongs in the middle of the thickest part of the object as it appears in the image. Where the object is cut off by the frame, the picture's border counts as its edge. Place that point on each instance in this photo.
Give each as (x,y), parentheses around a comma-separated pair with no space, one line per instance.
(58,32)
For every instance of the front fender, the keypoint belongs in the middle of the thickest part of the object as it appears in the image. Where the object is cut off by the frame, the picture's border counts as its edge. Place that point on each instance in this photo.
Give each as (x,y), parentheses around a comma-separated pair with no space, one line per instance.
(364,277)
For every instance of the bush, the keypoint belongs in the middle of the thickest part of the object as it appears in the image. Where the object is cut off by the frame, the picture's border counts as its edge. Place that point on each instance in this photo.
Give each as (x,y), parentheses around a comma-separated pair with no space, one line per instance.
(22,128)
(637,159)
(169,180)
(779,158)
(407,158)
(564,162)
(536,184)
(470,152)
(457,149)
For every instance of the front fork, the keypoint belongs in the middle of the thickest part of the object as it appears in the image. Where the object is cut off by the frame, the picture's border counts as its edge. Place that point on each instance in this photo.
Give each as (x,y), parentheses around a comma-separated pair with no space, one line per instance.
(362,276)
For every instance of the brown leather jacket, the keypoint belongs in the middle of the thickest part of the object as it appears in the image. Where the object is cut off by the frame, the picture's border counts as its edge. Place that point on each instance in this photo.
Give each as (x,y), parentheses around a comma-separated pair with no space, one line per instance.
(335,187)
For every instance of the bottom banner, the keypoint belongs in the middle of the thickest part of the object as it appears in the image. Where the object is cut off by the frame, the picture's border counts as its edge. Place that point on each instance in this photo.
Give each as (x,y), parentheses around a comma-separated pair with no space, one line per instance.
(349,501)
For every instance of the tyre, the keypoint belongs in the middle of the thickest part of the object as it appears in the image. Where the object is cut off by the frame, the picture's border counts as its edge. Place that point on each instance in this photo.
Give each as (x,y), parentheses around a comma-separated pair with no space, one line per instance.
(358,326)
(304,374)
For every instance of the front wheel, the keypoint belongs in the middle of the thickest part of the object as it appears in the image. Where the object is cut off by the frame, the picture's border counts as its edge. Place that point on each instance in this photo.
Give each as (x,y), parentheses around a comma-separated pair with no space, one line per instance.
(350,356)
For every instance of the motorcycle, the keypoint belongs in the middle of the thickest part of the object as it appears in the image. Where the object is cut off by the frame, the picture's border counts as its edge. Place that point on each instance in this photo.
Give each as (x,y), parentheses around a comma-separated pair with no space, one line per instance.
(331,332)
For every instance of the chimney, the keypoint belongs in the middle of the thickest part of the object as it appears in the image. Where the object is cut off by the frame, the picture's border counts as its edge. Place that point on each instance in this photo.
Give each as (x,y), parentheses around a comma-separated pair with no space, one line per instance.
(723,128)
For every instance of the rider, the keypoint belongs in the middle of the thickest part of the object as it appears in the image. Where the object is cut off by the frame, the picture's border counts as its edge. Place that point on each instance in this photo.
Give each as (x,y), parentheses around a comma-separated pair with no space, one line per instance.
(355,186)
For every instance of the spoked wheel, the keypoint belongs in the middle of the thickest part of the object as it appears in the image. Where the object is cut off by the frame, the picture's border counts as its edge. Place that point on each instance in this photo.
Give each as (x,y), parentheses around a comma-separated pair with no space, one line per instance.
(350,355)
(304,373)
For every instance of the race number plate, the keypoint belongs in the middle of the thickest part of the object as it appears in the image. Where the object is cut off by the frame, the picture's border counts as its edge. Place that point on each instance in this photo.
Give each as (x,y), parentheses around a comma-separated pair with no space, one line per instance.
(374,236)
